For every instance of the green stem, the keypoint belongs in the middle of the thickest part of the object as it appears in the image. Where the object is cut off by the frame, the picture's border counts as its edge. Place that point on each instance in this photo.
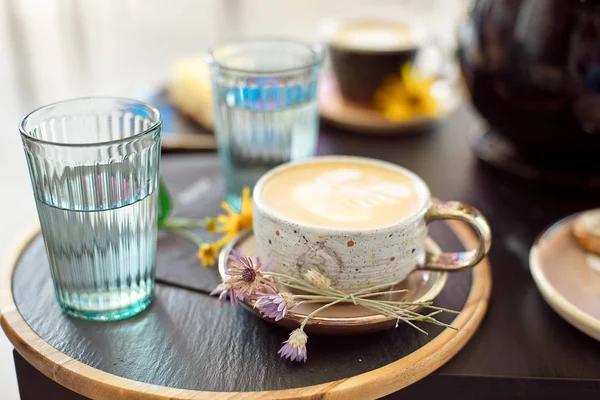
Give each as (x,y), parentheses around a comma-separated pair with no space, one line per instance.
(416,327)
(305,288)
(291,279)
(441,309)
(393,311)
(189,236)
(383,293)
(381,310)
(402,303)
(393,308)
(314,297)
(185,223)
(312,314)
(312,301)
(384,285)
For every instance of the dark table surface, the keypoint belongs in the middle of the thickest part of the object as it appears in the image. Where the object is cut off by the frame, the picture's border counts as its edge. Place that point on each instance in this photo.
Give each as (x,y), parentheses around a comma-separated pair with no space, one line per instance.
(520,348)
(520,336)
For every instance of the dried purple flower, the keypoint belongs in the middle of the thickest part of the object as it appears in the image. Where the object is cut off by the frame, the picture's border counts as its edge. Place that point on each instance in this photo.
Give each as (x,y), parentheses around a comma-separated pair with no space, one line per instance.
(246,278)
(223,291)
(275,305)
(295,347)
(236,254)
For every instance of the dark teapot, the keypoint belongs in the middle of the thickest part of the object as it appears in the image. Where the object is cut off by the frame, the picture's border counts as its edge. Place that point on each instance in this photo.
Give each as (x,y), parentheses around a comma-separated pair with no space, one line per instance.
(532,68)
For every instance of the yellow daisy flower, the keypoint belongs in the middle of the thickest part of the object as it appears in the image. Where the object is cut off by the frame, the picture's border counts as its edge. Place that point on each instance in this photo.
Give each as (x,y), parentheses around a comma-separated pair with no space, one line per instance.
(207,254)
(233,223)
(230,224)
(406,96)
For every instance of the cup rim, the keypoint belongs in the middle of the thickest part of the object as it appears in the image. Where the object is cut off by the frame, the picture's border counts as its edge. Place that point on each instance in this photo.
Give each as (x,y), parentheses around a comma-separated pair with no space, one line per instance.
(419,183)
(331,26)
(157,123)
(317,50)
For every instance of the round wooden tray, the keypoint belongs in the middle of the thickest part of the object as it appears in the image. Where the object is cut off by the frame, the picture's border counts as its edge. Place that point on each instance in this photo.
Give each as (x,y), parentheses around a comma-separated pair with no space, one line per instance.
(97,349)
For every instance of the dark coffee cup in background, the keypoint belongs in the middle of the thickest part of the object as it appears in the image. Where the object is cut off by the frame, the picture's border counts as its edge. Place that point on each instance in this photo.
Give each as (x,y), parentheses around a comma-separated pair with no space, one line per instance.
(365,52)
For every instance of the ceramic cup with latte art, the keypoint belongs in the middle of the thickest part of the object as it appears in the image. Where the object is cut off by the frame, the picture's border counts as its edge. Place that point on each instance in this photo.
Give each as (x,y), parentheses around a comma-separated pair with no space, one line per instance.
(360,221)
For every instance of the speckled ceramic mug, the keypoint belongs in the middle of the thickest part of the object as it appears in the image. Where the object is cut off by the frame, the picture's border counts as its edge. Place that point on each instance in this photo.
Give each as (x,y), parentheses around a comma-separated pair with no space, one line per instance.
(356,258)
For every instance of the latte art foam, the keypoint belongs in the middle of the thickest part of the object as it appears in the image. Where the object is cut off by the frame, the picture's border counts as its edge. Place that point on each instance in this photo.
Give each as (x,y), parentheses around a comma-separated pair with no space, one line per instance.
(341,194)
(347,195)
(374,35)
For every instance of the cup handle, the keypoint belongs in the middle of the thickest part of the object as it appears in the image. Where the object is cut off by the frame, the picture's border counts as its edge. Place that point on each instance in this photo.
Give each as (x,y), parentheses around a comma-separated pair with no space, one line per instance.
(457,261)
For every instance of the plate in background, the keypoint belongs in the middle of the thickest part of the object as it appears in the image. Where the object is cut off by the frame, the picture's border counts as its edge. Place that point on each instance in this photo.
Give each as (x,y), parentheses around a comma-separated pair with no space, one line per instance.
(362,119)
(568,277)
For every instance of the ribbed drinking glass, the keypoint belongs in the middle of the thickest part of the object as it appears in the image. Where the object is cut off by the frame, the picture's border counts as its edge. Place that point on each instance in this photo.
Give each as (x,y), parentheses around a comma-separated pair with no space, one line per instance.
(265,100)
(94,167)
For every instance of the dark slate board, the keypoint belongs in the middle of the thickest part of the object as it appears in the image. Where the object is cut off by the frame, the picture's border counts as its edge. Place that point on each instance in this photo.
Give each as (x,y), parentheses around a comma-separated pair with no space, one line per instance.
(185,340)
(197,189)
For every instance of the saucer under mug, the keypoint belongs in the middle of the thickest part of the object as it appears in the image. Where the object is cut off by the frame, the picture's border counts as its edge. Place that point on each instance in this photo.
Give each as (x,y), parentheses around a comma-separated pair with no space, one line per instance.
(344,319)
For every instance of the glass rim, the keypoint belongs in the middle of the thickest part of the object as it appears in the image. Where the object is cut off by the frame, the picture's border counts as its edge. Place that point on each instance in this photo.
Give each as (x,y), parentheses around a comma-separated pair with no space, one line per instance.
(153,110)
(316,49)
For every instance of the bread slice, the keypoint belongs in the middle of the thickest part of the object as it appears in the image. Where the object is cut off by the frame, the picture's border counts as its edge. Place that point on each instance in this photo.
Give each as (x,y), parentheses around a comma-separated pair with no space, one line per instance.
(190,90)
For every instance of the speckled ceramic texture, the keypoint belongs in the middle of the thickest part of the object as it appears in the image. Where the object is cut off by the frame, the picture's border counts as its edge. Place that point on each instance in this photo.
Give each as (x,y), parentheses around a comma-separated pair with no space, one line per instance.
(347,318)
(353,259)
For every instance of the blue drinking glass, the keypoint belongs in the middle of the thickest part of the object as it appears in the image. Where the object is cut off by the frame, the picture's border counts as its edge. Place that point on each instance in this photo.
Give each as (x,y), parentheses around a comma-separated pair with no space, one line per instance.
(265,102)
